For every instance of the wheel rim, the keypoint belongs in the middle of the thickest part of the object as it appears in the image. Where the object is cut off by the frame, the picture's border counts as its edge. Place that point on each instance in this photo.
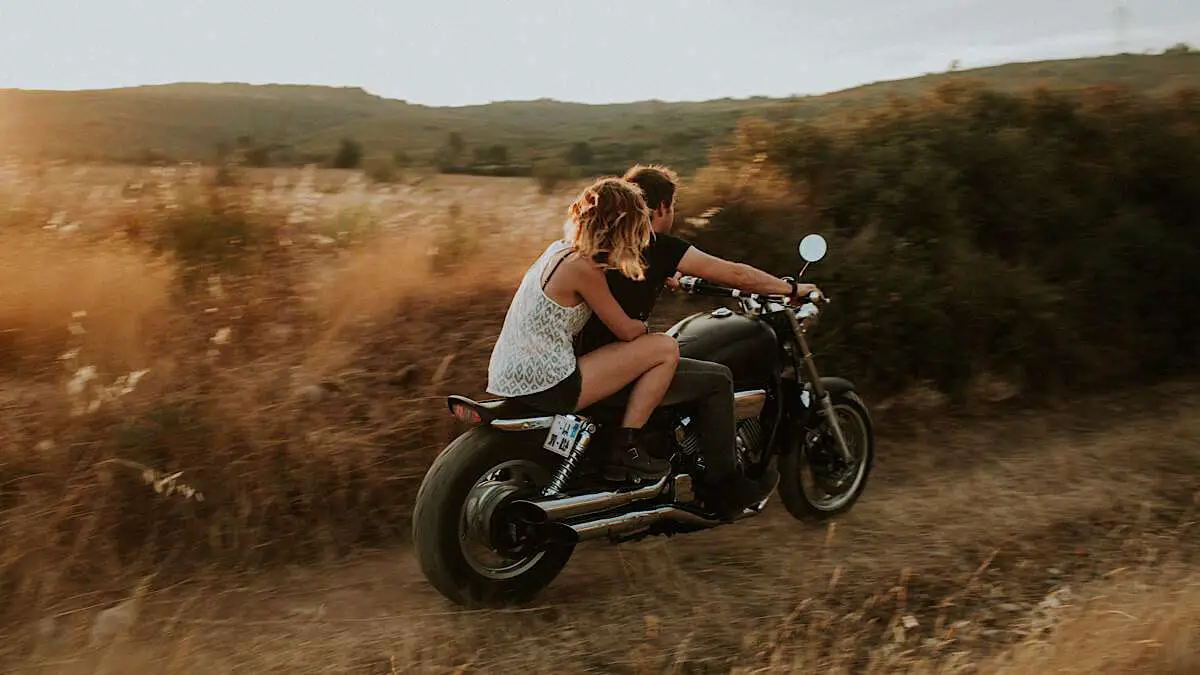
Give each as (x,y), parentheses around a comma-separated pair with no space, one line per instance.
(834,471)
(496,486)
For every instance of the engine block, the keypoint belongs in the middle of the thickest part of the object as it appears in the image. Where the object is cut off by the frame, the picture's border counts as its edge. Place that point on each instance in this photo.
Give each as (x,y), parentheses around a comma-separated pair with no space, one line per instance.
(749,435)
(686,438)
(748,439)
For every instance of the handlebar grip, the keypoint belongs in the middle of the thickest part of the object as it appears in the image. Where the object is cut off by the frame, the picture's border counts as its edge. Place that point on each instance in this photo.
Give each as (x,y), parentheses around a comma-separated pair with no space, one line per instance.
(698,286)
(817,297)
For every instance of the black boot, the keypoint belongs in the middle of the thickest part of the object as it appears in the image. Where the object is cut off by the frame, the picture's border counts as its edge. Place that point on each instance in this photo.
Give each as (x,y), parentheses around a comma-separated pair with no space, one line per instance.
(628,461)
(768,480)
(729,496)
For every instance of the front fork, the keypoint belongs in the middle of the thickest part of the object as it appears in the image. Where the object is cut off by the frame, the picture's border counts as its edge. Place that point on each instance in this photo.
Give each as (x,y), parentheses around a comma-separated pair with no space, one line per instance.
(819,388)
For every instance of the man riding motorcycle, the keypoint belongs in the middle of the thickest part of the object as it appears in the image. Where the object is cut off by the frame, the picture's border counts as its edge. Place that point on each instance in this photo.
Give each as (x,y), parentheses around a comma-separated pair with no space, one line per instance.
(726,489)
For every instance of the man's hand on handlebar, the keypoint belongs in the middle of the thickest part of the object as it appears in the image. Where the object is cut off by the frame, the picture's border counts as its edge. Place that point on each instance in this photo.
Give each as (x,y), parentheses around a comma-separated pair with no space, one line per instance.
(691,284)
(802,291)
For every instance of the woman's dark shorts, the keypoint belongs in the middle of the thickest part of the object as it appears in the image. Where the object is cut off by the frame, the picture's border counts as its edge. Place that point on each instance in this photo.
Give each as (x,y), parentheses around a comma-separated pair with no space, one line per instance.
(560,399)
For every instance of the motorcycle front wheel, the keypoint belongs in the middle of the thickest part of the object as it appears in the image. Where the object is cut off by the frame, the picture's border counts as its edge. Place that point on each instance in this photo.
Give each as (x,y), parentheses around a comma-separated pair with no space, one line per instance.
(815,483)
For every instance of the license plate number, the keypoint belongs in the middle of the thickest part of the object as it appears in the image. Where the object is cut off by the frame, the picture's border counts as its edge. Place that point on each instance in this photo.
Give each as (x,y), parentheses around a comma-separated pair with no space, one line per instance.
(563,433)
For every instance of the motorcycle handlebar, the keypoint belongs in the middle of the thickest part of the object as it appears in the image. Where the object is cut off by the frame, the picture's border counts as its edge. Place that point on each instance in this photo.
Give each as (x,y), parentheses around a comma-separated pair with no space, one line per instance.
(698,286)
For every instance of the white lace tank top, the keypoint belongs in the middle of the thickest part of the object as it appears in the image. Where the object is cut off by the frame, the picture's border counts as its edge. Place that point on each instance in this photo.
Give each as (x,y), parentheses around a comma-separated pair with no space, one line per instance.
(534,351)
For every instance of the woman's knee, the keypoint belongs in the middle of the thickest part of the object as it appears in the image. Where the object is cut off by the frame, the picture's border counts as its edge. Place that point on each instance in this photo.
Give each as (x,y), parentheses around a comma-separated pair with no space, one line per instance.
(657,349)
(666,348)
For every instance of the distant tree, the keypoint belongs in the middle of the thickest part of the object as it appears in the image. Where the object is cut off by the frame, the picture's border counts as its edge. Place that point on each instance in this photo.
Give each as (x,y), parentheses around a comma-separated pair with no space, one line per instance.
(493,154)
(580,154)
(549,173)
(259,156)
(955,65)
(497,154)
(455,146)
(349,155)
(227,175)
(451,152)
(283,154)
(1179,48)
(381,170)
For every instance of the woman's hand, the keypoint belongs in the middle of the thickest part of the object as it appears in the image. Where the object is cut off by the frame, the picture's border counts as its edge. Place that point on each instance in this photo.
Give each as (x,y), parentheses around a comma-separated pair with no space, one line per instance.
(590,283)
(672,283)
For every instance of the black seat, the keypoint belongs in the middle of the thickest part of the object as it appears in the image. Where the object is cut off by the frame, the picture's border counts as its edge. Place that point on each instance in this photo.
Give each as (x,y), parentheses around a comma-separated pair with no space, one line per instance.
(507,408)
(496,408)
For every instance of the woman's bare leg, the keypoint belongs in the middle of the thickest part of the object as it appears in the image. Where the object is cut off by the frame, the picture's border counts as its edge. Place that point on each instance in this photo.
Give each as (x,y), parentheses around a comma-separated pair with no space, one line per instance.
(650,359)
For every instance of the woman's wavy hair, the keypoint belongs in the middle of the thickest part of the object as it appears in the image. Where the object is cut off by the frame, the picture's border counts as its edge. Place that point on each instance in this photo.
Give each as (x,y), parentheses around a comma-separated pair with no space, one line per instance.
(610,224)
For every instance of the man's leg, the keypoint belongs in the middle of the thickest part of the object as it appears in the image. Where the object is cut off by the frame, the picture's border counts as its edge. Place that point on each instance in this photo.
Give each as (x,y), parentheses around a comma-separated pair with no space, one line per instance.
(710,385)
(726,488)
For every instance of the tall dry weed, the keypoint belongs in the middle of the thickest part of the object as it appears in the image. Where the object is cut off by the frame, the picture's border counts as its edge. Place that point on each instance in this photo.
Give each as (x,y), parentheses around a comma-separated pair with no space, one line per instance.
(56,294)
(1129,628)
(296,393)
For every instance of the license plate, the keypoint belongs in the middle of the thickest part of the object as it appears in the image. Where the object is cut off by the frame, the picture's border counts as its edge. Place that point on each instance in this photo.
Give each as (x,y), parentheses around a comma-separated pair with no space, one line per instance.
(562,434)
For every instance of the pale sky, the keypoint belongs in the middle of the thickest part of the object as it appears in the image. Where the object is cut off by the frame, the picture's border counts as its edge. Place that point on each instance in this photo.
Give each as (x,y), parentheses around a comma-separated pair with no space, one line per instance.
(454,52)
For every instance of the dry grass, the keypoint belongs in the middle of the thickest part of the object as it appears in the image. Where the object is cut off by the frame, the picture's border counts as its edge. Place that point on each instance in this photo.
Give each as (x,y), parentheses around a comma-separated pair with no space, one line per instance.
(291,389)
(300,395)
(1018,546)
(45,281)
(1148,626)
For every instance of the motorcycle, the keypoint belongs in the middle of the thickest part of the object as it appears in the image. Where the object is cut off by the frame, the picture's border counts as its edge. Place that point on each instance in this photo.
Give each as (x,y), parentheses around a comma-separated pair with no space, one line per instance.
(503,506)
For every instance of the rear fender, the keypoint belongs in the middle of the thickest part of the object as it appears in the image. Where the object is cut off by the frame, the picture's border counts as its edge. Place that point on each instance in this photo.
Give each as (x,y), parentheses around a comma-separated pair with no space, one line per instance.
(501,414)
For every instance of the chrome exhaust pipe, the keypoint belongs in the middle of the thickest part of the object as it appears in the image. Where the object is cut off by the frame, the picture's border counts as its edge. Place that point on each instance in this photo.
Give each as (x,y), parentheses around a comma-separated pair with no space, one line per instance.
(628,523)
(553,509)
(625,524)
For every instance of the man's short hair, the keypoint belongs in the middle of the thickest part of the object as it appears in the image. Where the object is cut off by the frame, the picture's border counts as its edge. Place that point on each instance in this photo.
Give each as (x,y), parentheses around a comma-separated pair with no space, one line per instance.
(657,182)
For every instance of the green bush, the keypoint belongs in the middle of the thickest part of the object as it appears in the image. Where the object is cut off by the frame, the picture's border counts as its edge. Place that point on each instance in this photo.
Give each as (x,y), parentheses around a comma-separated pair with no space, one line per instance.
(381,171)
(349,154)
(1051,237)
(549,173)
(212,239)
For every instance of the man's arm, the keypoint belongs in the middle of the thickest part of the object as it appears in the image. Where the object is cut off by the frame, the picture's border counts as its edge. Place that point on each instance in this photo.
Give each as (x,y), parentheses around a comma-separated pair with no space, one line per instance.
(735,275)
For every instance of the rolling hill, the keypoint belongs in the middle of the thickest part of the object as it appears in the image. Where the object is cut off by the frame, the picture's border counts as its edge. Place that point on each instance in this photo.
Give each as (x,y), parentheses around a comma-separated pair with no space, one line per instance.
(295,124)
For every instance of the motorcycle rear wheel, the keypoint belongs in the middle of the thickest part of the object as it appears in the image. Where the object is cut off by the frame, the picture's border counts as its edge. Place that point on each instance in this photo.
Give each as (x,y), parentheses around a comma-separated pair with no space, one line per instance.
(454,523)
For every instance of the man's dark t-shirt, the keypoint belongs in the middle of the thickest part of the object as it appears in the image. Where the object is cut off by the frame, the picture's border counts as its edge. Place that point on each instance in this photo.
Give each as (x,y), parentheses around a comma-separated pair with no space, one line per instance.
(637,298)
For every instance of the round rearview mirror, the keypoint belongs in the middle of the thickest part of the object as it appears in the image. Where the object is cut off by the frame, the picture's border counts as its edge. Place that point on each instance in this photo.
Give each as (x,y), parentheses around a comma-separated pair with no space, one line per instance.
(812,248)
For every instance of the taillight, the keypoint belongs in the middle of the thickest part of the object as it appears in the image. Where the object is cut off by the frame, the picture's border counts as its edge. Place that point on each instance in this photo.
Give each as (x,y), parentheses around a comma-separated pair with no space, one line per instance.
(465,413)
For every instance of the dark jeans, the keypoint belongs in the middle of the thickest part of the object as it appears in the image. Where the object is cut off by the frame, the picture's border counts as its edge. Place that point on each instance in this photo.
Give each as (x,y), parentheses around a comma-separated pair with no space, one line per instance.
(710,385)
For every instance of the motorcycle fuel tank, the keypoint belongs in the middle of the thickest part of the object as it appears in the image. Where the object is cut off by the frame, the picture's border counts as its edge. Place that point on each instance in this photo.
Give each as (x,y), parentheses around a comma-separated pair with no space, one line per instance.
(749,348)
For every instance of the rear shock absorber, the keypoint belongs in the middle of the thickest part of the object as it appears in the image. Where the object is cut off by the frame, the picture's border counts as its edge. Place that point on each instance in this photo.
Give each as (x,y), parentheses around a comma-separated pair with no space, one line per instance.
(560,478)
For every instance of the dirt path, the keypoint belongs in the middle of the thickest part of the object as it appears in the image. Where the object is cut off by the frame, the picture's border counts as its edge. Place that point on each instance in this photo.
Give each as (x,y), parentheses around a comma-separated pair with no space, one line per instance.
(960,537)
